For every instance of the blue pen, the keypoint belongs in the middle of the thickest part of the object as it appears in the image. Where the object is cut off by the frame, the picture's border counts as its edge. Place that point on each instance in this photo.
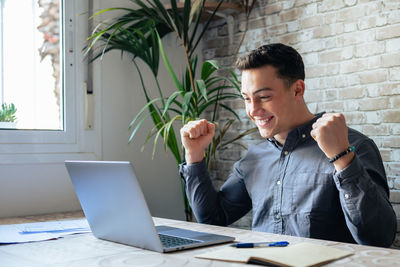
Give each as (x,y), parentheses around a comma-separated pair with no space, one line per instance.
(260,244)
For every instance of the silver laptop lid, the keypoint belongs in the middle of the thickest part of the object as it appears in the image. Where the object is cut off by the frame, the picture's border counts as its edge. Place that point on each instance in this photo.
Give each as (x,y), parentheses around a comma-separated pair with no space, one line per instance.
(112,201)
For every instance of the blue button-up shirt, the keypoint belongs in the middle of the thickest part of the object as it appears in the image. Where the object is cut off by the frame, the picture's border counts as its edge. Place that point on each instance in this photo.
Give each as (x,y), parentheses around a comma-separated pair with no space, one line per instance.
(294,190)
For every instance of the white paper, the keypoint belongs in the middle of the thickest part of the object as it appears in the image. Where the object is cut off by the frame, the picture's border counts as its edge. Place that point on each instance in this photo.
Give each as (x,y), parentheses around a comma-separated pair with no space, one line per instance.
(28,232)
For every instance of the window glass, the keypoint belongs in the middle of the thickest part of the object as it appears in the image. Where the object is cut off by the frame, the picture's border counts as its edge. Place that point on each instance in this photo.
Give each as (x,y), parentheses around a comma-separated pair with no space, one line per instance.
(31,87)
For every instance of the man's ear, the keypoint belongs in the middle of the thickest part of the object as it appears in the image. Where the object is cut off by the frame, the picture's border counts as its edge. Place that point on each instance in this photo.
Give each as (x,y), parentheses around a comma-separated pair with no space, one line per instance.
(299,88)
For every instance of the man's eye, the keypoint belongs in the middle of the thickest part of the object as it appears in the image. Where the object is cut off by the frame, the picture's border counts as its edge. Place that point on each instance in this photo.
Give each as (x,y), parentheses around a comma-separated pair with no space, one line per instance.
(264,97)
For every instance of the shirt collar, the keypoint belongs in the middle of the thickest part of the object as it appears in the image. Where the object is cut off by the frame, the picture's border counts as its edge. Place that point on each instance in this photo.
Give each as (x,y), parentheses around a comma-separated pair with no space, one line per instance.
(300,133)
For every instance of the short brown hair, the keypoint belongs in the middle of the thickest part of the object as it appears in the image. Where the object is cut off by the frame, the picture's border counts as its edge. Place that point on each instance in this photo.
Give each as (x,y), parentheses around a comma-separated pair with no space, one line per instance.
(287,61)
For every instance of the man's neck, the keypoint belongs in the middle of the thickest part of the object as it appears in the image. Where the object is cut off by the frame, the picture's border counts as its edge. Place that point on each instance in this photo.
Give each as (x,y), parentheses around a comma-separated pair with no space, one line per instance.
(308,116)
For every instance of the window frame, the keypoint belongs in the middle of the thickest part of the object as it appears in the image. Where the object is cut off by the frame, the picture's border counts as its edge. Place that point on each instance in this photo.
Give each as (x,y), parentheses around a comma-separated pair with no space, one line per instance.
(32,146)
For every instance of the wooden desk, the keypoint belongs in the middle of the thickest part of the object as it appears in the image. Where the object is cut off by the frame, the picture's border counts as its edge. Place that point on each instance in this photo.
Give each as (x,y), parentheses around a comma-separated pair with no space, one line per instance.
(86,250)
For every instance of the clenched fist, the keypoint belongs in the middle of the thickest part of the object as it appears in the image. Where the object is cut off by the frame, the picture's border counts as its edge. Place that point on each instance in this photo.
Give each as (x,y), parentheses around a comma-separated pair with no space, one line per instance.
(331,133)
(196,136)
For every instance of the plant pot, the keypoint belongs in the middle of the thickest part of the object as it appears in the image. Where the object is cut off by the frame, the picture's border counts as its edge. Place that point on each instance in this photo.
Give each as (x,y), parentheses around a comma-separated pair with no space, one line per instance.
(8,125)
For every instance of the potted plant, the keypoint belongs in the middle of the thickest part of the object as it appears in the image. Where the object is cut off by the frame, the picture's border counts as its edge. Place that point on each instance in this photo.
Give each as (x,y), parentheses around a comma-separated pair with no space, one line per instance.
(7,116)
(139,32)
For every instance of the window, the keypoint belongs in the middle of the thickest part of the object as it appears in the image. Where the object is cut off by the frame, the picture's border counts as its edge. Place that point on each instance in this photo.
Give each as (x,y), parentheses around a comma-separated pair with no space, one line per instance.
(48,95)
(31,57)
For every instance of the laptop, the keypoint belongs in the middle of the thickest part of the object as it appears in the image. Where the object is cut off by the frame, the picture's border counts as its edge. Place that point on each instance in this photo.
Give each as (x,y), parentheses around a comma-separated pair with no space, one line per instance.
(116,210)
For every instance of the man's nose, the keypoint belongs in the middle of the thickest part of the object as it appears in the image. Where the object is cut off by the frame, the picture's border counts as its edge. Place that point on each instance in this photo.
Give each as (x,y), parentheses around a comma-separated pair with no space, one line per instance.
(254,107)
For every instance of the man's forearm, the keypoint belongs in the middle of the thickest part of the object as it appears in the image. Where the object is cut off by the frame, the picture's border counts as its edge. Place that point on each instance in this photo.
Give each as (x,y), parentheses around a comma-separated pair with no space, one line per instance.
(368,212)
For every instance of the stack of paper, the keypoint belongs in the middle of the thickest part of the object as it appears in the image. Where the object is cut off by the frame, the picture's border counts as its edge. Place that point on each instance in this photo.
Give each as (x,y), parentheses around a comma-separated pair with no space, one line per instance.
(28,232)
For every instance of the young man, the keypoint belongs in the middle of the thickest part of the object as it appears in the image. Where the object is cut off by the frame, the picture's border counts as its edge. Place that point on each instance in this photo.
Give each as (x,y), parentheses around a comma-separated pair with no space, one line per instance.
(312,177)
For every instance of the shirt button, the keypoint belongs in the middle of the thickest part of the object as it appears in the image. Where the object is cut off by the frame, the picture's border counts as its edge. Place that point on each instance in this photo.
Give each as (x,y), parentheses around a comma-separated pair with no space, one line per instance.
(303,135)
(277,216)
(278,182)
(285,153)
(346,196)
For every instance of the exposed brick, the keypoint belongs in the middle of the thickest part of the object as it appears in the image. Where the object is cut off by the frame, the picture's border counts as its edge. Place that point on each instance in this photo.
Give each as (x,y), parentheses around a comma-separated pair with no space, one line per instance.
(310,10)
(388,32)
(395,196)
(355,117)
(369,49)
(353,66)
(395,102)
(394,16)
(293,26)
(391,115)
(349,14)
(351,105)
(258,23)
(288,4)
(391,5)
(274,8)
(312,21)
(374,62)
(273,19)
(333,106)
(392,141)
(347,39)
(323,31)
(290,38)
(313,96)
(291,14)
(336,55)
(374,103)
(391,60)
(393,45)
(310,59)
(371,8)
(277,29)
(373,117)
(376,130)
(385,154)
(347,80)
(394,74)
(330,18)
(350,27)
(209,54)
(373,76)
(351,93)
(395,127)
(218,42)
(395,155)
(330,5)
(366,23)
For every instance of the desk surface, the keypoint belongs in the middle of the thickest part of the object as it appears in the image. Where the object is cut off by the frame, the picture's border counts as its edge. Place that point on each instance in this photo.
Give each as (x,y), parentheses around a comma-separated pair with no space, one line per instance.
(86,250)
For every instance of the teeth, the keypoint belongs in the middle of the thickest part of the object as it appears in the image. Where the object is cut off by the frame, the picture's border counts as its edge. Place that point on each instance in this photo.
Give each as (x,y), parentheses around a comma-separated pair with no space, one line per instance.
(263,121)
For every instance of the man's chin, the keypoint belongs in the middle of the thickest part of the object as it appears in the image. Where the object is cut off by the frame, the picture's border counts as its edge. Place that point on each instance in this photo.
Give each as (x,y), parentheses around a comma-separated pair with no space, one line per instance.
(265,134)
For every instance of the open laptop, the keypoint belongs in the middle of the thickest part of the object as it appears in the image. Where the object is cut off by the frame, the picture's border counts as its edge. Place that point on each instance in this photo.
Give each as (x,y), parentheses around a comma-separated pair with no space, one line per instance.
(116,210)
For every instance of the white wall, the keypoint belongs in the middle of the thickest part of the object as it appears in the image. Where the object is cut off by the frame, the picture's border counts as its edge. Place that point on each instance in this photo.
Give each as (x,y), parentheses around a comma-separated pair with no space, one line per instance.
(37,188)
(122,99)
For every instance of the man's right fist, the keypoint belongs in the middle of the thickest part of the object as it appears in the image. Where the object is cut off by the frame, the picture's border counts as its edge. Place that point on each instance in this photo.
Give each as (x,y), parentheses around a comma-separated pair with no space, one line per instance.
(196,136)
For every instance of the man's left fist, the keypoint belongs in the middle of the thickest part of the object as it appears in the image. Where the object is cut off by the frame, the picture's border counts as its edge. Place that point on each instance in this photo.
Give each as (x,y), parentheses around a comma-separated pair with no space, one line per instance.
(331,133)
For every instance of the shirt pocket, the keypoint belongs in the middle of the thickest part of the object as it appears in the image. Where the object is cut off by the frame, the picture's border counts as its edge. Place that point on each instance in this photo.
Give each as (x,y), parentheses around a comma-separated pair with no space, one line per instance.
(313,192)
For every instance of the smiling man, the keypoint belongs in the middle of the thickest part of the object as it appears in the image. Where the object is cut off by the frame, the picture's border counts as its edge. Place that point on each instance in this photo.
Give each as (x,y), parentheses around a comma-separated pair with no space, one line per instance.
(312,176)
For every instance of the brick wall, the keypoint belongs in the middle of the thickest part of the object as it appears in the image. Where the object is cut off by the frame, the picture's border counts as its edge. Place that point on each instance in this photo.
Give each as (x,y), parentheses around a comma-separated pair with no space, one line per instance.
(351,50)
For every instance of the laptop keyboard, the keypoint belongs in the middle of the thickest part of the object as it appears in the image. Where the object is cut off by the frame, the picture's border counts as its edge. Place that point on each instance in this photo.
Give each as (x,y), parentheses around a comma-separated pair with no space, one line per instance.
(173,241)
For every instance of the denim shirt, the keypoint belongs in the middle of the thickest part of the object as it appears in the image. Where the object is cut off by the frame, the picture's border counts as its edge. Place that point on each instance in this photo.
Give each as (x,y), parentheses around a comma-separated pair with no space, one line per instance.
(294,190)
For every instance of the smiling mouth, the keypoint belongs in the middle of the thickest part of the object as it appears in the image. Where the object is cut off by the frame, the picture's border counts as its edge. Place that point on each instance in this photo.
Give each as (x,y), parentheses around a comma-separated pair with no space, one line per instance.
(263,122)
